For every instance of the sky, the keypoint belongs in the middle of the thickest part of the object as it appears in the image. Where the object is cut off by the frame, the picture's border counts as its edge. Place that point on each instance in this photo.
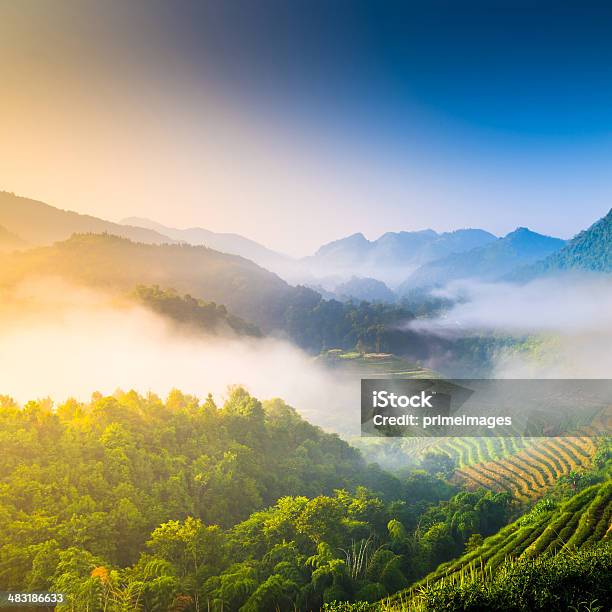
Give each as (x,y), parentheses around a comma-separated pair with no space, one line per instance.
(296,123)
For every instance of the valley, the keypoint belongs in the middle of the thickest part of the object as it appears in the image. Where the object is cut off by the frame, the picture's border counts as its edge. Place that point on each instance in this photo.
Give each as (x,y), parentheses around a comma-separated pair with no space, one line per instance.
(105,499)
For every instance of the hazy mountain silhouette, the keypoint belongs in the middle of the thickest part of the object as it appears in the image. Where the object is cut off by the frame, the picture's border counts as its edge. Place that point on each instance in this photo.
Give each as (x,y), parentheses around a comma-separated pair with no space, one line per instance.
(115,263)
(486,263)
(234,244)
(392,256)
(366,289)
(38,223)
(395,248)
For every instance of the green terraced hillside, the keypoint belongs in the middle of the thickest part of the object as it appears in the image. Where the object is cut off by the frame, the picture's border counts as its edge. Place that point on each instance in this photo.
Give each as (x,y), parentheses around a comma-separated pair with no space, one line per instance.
(581,522)
(527,474)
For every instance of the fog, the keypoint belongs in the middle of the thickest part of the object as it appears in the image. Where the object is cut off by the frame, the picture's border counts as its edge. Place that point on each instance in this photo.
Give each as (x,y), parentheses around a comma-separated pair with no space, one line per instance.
(61,341)
(569,318)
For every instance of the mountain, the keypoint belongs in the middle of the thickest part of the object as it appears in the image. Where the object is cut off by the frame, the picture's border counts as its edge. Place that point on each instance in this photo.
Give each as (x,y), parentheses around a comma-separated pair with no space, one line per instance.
(366,289)
(345,251)
(234,244)
(38,223)
(116,263)
(486,263)
(8,240)
(393,255)
(590,251)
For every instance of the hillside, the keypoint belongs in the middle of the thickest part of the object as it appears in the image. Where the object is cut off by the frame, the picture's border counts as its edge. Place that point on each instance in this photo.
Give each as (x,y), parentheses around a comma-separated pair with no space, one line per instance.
(248,291)
(234,244)
(531,471)
(115,263)
(553,542)
(486,263)
(589,251)
(373,365)
(368,289)
(206,317)
(110,471)
(9,241)
(39,224)
(582,520)
(129,500)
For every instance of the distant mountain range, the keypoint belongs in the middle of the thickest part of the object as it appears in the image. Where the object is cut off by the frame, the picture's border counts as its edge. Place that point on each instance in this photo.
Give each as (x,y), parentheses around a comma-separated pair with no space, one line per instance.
(349,268)
(234,244)
(392,256)
(400,247)
(38,223)
(486,263)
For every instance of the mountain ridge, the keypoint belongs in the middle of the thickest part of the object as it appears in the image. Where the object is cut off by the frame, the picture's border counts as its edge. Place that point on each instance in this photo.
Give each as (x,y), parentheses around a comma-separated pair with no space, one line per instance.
(392,256)
(115,262)
(487,263)
(39,223)
(225,242)
(589,251)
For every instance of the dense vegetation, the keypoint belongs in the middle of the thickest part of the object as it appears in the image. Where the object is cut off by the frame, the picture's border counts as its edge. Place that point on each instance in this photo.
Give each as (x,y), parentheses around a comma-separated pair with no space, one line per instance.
(129,501)
(590,250)
(186,310)
(118,265)
(259,297)
(571,580)
(549,526)
(557,555)
(248,291)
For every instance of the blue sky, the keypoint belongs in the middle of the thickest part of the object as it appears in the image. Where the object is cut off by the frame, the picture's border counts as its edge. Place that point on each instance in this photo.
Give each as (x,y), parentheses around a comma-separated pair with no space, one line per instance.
(299,122)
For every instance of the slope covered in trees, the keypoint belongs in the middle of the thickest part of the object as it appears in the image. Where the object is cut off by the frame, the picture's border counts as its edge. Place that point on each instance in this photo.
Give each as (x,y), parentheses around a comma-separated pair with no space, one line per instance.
(588,251)
(198,314)
(248,291)
(130,501)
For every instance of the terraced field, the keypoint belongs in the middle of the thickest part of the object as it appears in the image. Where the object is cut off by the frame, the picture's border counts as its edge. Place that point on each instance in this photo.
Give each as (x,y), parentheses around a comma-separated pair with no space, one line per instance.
(373,365)
(527,473)
(524,467)
(469,451)
(581,521)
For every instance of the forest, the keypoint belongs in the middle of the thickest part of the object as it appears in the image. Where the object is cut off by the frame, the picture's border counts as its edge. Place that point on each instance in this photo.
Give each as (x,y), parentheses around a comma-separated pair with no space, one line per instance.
(231,506)
(129,502)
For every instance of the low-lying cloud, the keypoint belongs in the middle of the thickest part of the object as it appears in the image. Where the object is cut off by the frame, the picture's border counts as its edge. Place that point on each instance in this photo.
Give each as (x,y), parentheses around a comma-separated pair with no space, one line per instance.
(60,341)
(570,316)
